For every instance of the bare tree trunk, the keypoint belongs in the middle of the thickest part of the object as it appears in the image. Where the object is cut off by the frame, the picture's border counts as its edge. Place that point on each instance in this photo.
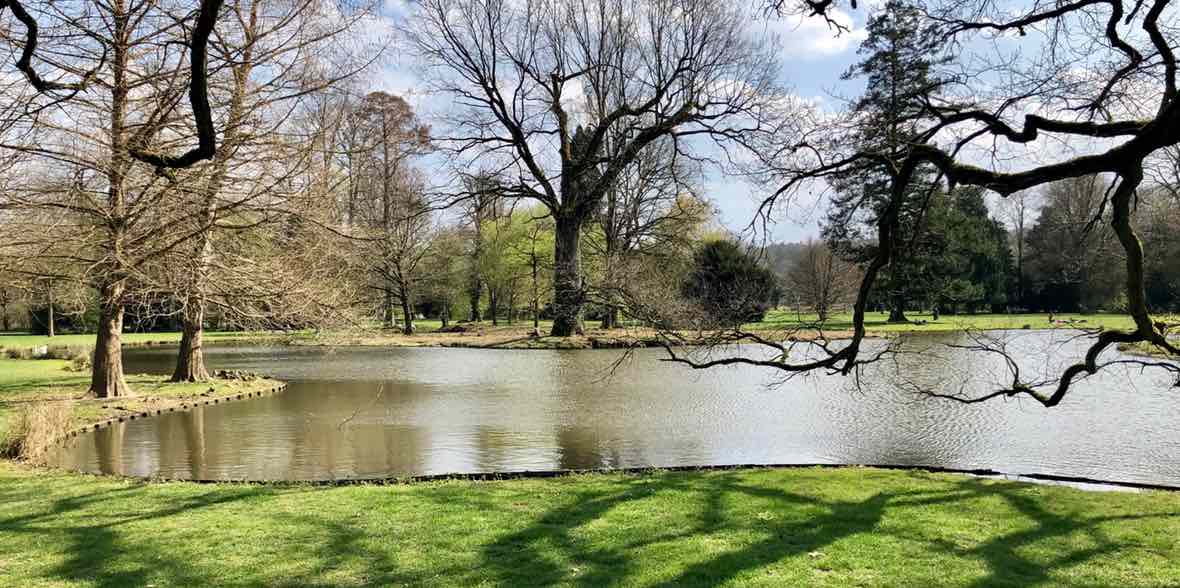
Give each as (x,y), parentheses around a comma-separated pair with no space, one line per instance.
(1020,266)
(190,361)
(407,311)
(475,289)
(106,378)
(52,319)
(536,300)
(492,304)
(445,315)
(567,276)
(387,305)
(476,295)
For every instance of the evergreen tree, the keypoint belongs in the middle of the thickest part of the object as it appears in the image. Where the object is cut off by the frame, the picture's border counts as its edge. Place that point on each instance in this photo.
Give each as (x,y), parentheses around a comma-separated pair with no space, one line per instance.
(730,284)
(974,268)
(900,58)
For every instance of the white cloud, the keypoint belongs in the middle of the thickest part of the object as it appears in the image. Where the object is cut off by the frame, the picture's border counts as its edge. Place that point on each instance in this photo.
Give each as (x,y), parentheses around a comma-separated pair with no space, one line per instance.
(811,37)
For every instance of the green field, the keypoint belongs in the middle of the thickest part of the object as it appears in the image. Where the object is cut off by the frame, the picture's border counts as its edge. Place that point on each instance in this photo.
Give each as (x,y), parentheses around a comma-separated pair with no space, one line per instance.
(18,341)
(877,322)
(804,527)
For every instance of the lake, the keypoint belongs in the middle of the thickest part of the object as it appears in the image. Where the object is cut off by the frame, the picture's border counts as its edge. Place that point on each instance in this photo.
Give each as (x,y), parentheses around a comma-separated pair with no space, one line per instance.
(357,412)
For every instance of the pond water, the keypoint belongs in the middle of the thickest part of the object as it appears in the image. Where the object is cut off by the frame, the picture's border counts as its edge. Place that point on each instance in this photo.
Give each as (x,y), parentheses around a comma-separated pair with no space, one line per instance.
(385,412)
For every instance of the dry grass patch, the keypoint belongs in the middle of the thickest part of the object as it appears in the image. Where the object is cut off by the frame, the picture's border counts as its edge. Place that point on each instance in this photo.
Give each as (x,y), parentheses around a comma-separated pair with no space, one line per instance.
(35,427)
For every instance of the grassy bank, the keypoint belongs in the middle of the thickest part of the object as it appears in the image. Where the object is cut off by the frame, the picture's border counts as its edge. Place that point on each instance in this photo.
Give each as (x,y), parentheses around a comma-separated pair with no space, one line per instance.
(40,399)
(878,322)
(808,527)
(517,336)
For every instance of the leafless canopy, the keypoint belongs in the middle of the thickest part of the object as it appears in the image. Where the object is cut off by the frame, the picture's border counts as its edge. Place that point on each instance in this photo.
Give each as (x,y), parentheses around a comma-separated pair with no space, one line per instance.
(205,19)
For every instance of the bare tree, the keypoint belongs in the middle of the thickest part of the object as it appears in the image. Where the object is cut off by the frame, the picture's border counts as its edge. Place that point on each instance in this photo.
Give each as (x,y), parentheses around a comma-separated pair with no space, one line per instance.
(1018,209)
(645,212)
(822,279)
(114,211)
(403,243)
(266,78)
(391,135)
(63,61)
(563,96)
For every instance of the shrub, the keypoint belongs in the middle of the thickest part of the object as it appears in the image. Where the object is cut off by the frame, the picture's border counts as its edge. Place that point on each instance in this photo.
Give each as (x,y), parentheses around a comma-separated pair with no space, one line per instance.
(80,362)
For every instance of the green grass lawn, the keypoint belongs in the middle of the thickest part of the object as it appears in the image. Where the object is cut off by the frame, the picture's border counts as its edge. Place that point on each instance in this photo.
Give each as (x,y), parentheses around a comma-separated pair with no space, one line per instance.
(877,322)
(20,341)
(805,527)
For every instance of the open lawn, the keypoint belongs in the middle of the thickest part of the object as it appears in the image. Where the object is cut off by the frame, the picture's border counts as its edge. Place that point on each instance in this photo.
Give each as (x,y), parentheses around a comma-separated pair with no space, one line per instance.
(793,527)
(22,342)
(877,322)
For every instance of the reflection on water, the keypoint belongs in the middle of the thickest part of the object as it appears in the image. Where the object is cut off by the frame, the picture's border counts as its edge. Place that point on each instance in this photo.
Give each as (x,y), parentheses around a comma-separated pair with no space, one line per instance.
(370,412)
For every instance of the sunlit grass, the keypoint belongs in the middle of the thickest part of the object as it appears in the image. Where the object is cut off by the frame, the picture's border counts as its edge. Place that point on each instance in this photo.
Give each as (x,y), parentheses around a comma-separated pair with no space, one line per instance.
(86,340)
(803,527)
(878,322)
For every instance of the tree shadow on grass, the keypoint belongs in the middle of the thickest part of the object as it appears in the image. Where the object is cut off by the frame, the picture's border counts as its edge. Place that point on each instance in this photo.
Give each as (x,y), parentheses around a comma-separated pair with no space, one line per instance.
(586,539)
(93,544)
(527,556)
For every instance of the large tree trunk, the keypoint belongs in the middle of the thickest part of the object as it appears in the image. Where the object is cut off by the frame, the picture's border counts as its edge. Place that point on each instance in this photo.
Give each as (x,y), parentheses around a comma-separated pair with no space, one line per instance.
(897,309)
(190,361)
(568,297)
(106,378)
